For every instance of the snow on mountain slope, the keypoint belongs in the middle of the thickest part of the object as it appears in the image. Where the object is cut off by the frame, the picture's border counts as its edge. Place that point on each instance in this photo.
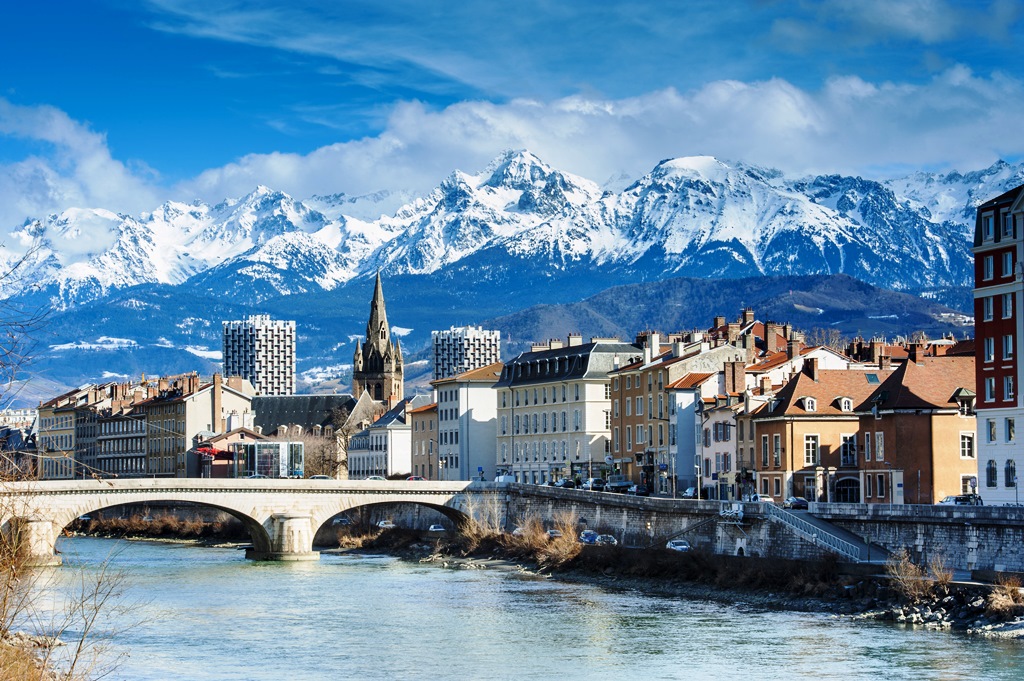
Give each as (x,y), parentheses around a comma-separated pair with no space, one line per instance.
(695,216)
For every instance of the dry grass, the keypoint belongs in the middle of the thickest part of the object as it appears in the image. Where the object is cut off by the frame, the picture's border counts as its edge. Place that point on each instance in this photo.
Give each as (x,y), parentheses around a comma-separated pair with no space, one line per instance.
(18,663)
(1006,599)
(941,572)
(910,579)
(163,525)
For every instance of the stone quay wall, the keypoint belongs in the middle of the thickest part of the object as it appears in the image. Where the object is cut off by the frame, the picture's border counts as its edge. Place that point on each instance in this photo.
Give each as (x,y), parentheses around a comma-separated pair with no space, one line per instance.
(652,521)
(977,538)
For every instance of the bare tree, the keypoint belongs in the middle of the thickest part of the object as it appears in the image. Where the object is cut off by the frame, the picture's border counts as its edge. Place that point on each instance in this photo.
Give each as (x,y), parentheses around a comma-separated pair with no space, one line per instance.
(829,338)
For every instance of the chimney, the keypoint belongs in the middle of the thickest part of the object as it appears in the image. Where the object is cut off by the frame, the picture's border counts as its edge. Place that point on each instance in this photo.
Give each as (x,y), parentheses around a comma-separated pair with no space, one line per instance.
(732,331)
(916,352)
(766,384)
(885,362)
(575,340)
(735,377)
(719,321)
(538,347)
(787,331)
(876,351)
(811,368)
(555,344)
(771,334)
(748,316)
(793,348)
(748,344)
(652,346)
(217,416)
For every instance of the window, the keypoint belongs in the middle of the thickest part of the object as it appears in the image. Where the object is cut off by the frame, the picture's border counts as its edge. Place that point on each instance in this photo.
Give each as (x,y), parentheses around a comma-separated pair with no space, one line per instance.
(1007,305)
(778,487)
(629,382)
(1011,430)
(810,404)
(990,426)
(707,437)
(577,389)
(1007,264)
(1008,225)
(639,406)
(881,485)
(879,446)
(764,486)
(629,439)
(990,349)
(986,308)
(777,450)
(1007,387)
(967,446)
(764,451)
(867,446)
(811,450)
(869,486)
(615,438)
(990,389)
(988,227)
(848,451)
(846,404)
(639,436)
(1008,347)
(576,420)
(1010,473)
(991,474)
(615,384)
(988,267)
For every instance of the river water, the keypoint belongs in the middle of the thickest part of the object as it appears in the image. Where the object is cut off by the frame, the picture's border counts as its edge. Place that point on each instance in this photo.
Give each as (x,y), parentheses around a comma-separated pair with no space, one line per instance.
(203,613)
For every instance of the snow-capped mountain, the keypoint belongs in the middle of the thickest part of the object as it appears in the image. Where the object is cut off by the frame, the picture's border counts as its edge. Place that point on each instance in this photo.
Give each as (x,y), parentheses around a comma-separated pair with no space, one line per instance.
(694,216)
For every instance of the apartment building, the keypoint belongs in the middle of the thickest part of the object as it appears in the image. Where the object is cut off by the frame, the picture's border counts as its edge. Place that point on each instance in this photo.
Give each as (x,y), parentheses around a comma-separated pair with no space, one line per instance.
(262,351)
(424,441)
(385,447)
(554,409)
(808,433)
(181,407)
(464,348)
(641,404)
(467,422)
(998,315)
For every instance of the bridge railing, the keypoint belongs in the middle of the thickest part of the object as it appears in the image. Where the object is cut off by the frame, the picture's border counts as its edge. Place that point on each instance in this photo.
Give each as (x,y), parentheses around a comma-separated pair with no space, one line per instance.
(816,534)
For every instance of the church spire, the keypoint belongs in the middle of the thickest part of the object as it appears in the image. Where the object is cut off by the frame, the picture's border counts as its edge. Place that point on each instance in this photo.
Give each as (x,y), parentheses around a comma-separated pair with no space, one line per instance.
(377,331)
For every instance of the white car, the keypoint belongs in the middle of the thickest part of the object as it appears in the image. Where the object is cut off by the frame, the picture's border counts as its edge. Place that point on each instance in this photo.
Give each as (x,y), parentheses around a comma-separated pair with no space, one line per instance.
(436,528)
(386,525)
(678,545)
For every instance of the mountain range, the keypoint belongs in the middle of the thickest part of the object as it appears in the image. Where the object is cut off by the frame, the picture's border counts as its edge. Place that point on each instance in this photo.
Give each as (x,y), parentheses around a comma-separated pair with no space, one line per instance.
(479,246)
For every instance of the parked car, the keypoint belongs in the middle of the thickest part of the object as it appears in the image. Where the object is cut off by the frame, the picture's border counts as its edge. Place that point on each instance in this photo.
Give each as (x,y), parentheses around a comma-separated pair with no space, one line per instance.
(375,477)
(415,477)
(762,498)
(256,476)
(343,521)
(593,484)
(518,532)
(618,484)
(678,545)
(320,477)
(554,534)
(639,491)
(504,478)
(564,483)
(386,525)
(588,537)
(962,500)
(606,540)
(436,528)
(795,503)
(689,493)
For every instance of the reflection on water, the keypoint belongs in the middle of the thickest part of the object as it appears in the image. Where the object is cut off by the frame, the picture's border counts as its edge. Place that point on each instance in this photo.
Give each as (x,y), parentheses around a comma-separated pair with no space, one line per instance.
(210,614)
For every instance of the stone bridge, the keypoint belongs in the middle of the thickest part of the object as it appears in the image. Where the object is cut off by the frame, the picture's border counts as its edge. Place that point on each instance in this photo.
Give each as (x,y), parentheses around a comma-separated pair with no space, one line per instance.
(281,515)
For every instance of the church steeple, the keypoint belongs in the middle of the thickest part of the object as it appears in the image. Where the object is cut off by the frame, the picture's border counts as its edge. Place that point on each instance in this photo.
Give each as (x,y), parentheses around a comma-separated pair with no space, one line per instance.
(377,365)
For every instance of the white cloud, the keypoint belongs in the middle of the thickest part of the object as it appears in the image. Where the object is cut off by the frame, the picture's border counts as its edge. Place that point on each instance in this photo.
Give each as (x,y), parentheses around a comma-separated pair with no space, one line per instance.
(74,168)
(400,331)
(956,120)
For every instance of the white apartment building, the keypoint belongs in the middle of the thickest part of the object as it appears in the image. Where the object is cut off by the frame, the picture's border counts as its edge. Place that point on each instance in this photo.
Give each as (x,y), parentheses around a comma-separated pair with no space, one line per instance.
(464,348)
(467,421)
(554,409)
(385,447)
(261,350)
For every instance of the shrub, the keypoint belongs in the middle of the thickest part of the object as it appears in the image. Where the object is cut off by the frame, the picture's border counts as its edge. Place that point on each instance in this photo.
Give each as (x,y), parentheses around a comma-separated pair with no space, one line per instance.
(1006,599)
(911,580)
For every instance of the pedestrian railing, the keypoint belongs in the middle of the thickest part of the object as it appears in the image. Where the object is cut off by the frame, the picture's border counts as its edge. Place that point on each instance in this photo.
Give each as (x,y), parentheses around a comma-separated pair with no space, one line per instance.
(814,533)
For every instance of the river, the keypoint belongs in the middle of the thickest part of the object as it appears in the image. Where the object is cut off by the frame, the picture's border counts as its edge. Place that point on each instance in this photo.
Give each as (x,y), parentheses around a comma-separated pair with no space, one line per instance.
(205,613)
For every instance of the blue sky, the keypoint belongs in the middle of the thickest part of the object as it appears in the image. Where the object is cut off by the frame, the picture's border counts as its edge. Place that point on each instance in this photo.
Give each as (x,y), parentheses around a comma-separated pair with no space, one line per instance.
(125,103)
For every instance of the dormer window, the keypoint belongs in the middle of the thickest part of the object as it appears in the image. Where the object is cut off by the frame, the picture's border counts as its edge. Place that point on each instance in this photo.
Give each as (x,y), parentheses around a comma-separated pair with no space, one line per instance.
(845,404)
(810,404)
